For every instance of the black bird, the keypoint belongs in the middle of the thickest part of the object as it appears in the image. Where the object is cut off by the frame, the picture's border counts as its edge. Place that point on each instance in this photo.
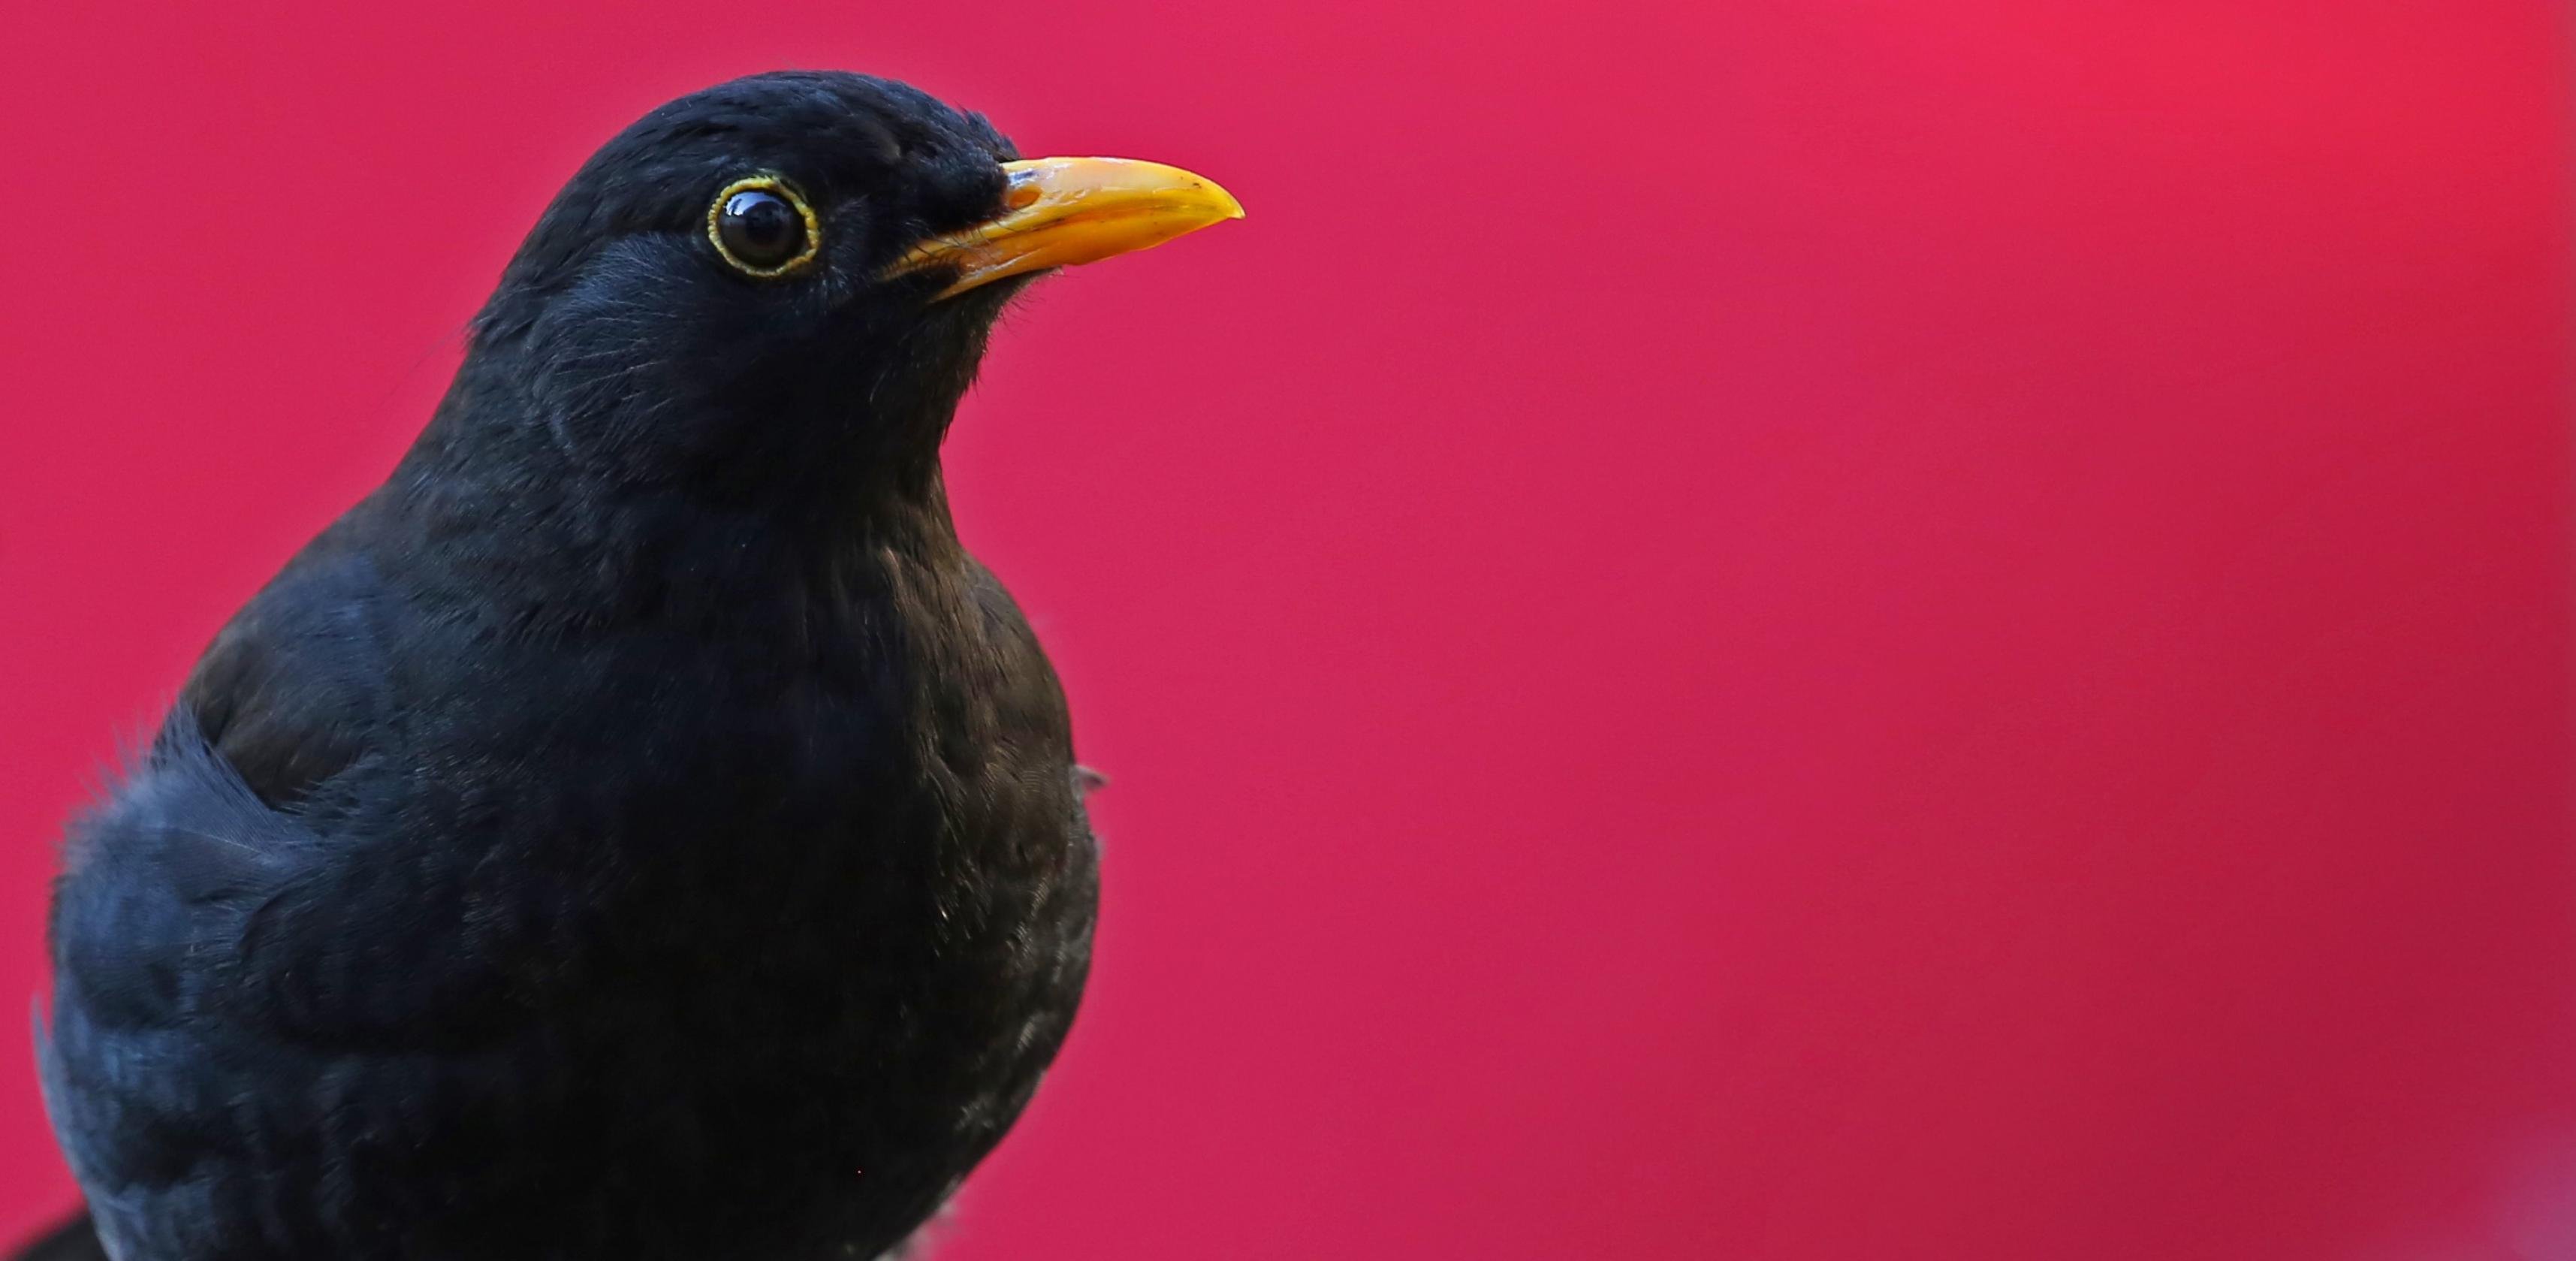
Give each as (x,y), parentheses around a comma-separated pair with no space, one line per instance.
(638,829)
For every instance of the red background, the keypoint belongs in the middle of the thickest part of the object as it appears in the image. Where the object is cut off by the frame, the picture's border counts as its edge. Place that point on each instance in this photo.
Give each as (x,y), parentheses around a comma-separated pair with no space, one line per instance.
(1759,630)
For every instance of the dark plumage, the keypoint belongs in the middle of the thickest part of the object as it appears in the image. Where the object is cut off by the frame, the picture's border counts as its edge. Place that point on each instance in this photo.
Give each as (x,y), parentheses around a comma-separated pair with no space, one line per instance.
(638,829)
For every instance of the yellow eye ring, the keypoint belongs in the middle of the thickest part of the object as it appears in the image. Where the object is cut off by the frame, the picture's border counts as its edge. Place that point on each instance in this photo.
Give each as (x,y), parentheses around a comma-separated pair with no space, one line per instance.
(810,239)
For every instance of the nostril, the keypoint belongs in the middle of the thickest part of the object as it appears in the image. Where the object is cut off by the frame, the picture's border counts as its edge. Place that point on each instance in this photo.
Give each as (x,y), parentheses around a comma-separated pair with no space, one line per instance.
(1023,194)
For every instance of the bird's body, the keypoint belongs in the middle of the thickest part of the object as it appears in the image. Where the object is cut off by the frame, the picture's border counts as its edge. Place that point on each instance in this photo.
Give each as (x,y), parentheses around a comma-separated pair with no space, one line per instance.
(475,975)
(639,829)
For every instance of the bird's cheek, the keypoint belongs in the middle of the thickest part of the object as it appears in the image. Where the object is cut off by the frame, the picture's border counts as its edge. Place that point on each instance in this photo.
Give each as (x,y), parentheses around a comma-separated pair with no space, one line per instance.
(619,369)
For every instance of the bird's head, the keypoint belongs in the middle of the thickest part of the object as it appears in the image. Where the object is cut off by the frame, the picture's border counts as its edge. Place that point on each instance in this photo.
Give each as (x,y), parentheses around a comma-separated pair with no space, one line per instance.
(788,279)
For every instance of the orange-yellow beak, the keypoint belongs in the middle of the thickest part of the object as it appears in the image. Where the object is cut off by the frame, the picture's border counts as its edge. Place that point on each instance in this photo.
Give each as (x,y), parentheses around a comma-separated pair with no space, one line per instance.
(1063,212)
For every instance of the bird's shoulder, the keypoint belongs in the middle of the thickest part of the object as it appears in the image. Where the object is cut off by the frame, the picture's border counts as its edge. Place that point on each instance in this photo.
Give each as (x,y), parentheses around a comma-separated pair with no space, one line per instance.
(293,690)
(222,882)
(161,880)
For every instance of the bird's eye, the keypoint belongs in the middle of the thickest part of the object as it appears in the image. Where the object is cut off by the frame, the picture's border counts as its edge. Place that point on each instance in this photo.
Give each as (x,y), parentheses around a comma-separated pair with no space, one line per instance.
(762,227)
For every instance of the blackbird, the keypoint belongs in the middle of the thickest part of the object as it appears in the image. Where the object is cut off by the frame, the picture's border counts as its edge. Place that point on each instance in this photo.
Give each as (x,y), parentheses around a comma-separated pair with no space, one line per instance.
(638,829)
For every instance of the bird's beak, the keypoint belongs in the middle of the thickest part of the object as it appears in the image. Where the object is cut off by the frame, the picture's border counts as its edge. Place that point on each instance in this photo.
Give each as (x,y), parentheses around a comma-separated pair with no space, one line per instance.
(1062,212)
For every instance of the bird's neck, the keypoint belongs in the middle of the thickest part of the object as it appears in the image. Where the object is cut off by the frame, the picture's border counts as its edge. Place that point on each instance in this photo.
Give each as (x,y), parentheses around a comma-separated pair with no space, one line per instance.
(514,531)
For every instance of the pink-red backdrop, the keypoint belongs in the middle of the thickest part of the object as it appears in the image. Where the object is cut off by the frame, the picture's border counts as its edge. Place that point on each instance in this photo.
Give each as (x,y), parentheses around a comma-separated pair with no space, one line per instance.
(1856,629)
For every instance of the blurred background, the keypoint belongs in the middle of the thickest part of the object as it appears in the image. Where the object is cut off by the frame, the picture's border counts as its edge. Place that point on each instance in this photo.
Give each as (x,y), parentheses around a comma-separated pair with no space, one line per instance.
(1784,629)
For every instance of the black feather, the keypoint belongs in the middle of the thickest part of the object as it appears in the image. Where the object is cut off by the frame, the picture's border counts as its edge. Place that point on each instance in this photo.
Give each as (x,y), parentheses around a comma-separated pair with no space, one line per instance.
(636,830)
